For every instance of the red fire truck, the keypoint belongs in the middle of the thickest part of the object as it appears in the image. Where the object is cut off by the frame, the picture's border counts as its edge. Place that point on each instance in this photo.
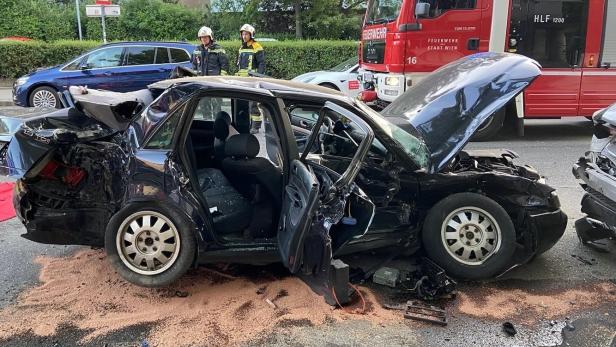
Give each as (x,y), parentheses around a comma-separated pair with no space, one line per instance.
(573,40)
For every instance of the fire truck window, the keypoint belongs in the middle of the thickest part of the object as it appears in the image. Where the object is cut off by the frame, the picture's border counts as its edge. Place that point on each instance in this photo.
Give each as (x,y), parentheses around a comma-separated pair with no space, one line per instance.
(438,7)
(383,11)
(609,36)
(552,32)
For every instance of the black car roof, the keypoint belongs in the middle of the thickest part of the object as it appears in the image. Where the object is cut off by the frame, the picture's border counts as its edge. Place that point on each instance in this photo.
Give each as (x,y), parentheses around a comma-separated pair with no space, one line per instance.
(257,84)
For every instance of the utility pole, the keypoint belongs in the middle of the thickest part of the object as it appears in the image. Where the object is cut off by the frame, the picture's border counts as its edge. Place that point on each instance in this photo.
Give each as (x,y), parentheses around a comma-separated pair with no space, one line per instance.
(103,23)
(78,19)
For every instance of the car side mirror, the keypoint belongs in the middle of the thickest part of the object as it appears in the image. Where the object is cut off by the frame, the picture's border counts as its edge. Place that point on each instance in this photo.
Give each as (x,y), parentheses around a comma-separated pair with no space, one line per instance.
(422,10)
(606,65)
(86,66)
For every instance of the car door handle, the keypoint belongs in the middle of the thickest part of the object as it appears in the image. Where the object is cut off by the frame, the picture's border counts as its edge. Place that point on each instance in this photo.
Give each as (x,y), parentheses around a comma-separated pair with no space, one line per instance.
(304,124)
(107,73)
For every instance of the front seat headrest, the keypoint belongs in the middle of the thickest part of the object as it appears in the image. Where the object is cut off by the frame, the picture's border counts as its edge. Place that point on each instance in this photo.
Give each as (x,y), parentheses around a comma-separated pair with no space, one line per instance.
(242,146)
(221,125)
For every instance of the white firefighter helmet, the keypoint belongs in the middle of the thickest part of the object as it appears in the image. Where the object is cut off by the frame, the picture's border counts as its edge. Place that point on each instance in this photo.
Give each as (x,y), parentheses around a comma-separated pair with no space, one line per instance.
(249,28)
(205,31)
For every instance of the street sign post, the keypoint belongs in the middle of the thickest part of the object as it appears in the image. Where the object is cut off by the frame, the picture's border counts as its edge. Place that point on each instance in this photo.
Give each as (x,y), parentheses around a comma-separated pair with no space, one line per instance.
(103,10)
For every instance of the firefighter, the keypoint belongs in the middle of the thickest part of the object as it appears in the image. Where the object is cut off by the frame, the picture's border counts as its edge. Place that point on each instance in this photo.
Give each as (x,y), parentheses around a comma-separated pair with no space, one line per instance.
(209,58)
(251,58)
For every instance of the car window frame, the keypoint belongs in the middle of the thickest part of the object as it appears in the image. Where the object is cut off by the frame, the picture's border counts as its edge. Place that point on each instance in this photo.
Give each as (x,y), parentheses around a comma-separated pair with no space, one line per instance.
(83,57)
(127,55)
(282,128)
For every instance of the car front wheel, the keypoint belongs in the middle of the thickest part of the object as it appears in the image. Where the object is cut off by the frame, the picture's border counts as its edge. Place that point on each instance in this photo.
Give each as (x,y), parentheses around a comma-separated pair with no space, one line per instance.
(150,246)
(44,97)
(470,236)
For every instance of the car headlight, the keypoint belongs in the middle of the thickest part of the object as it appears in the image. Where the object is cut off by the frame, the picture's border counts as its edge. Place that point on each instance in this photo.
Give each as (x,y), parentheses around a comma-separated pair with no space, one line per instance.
(21,81)
(392,81)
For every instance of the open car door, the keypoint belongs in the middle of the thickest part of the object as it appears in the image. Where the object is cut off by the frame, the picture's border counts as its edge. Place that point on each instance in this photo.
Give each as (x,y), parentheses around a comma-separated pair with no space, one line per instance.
(312,205)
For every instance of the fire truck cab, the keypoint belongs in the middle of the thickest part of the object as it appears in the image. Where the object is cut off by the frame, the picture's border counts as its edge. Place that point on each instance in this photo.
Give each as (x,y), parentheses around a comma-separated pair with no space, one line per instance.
(573,40)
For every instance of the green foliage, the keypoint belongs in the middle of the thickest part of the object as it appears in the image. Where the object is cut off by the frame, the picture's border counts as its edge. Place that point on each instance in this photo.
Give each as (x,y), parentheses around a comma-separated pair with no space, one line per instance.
(37,19)
(151,20)
(19,58)
(52,20)
(284,59)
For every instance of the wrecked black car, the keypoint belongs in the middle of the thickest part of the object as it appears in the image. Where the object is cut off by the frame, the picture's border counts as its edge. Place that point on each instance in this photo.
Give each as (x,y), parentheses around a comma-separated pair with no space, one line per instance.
(183,181)
(597,171)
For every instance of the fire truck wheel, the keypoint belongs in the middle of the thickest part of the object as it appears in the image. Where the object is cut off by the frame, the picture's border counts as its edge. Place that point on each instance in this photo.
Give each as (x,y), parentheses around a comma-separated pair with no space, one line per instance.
(490,127)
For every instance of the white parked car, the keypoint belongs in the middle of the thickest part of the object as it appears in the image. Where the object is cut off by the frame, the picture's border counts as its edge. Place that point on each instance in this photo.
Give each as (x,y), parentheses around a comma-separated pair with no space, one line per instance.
(342,77)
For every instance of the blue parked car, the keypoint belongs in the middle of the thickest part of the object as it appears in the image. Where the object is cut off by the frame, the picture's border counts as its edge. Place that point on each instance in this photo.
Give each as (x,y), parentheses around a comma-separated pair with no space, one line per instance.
(119,67)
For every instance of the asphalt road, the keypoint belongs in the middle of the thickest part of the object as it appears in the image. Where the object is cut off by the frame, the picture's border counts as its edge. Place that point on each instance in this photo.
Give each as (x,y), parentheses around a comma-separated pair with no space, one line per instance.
(552,146)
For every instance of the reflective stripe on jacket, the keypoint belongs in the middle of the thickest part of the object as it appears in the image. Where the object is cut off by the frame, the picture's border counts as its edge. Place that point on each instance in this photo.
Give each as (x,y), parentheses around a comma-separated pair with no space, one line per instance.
(251,57)
(211,60)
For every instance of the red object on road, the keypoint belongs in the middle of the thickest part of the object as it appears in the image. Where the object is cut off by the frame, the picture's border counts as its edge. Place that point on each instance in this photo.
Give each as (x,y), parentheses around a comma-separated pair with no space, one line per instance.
(16,38)
(7,211)
(103,2)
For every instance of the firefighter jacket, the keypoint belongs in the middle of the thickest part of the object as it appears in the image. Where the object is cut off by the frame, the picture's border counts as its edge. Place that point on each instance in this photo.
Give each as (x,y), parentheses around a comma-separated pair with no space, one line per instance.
(251,58)
(211,60)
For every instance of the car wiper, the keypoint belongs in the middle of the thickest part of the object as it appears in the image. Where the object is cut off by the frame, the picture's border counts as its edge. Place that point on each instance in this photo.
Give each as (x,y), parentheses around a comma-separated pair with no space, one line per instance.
(381,20)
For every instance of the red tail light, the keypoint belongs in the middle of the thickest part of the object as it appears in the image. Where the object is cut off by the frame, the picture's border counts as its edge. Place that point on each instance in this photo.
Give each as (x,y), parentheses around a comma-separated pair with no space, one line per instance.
(353,84)
(57,171)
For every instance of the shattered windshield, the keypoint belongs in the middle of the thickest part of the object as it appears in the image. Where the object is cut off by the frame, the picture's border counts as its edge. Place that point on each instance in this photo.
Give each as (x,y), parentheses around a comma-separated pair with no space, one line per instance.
(383,11)
(345,65)
(413,146)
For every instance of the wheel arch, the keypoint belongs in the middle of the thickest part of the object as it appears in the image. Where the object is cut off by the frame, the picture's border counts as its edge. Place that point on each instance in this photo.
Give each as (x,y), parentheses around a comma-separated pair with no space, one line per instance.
(329,84)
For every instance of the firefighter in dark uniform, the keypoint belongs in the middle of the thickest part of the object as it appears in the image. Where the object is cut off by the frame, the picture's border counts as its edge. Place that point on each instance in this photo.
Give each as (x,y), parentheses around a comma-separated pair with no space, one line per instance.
(251,58)
(209,58)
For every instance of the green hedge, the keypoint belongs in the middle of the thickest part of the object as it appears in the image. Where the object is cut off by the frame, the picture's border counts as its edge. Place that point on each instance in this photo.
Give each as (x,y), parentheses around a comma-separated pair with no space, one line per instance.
(284,59)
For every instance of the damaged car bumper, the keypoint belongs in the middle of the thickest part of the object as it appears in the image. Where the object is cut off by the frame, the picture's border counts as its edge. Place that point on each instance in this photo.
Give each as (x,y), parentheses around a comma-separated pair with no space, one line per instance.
(598,203)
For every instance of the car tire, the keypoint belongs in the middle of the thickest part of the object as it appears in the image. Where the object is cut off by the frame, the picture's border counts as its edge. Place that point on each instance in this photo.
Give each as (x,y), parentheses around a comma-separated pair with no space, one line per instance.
(330,86)
(490,127)
(151,256)
(44,97)
(484,240)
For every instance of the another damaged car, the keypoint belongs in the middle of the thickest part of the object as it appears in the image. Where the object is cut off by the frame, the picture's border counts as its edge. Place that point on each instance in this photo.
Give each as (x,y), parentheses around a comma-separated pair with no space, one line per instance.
(183,181)
(597,171)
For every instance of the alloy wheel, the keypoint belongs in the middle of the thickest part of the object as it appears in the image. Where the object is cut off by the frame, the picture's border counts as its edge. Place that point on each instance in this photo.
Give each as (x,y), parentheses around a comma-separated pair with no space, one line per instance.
(148,243)
(44,98)
(471,235)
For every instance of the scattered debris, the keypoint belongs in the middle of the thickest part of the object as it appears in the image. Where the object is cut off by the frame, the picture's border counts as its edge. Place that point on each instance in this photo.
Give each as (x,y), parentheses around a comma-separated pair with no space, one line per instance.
(261,290)
(428,282)
(144,343)
(386,276)
(509,329)
(181,294)
(569,326)
(417,311)
(281,294)
(269,302)
(593,261)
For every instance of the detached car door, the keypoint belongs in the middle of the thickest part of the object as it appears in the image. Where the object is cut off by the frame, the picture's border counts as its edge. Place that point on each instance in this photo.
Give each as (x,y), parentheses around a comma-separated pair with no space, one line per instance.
(311,207)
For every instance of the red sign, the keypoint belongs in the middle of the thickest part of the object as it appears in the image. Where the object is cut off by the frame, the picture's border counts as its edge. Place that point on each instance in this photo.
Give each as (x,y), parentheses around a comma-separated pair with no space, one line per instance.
(103,2)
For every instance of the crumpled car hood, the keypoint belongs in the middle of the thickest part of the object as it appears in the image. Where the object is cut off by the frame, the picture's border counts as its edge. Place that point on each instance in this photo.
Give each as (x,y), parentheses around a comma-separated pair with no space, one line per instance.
(448,106)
